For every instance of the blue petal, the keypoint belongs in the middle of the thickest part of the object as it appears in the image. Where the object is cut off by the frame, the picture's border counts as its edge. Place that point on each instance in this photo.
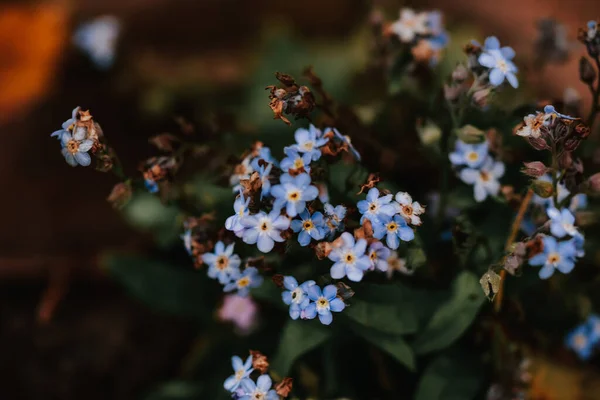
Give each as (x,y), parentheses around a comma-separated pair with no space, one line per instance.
(496,77)
(326,318)
(330,292)
(290,283)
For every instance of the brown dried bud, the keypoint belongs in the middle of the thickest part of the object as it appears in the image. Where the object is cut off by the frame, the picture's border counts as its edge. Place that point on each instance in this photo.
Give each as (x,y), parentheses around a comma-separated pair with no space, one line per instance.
(344,291)
(542,188)
(460,73)
(535,246)
(490,283)
(593,183)
(512,262)
(163,142)
(322,250)
(371,182)
(534,169)
(104,163)
(587,73)
(538,143)
(259,361)
(480,97)
(284,387)
(120,195)
(453,92)
(278,280)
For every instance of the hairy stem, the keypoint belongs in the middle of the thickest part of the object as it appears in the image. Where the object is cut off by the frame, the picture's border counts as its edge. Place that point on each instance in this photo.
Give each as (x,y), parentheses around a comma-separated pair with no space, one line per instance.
(509,241)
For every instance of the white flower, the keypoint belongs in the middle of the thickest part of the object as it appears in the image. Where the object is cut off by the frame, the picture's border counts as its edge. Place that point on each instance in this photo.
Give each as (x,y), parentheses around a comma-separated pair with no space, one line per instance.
(410,25)
(408,209)
(532,125)
(485,180)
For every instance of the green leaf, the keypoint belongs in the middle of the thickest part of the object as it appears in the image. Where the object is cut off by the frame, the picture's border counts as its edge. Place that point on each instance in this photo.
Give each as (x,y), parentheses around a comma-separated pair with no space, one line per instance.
(176,390)
(453,376)
(162,286)
(394,345)
(298,338)
(270,293)
(455,315)
(388,318)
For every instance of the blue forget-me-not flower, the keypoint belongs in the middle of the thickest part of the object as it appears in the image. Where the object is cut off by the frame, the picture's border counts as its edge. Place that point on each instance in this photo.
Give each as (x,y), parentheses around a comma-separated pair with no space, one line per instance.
(222,264)
(308,141)
(241,370)
(261,390)
(264,229)
(394,229)
(555,255)
(323,303)
(471,155)
(296,295)
(293,193)
(375,207)
(243,281)
(498,60)
(309,226)
(349,259)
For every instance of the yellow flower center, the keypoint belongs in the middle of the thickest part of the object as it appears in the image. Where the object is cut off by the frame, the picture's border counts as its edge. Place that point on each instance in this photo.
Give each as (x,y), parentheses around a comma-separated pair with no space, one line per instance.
(222,262)
(580,341)
(264,226)
(308,146)
(502,66)
(294,196)
(73,146)
(243,282)
(407,210)
(298,163)
(239,374)
(485,176)
(472,156)
(322,302)
(553,258)
(349,258)
(259,396)
(373,255)
(308,225)
(373,207)
(392,226)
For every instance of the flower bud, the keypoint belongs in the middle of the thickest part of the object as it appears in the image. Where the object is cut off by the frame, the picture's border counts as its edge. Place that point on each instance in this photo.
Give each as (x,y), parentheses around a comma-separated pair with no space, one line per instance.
(587,73)
(534,169)
(538,143)
(490,283)
(470,134)
(593,183)
(542,188)
(120,195)
(460,73)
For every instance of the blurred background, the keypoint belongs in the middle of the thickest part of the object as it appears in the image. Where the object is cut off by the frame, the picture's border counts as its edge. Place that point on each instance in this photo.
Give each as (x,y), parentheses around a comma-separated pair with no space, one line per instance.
(68,331)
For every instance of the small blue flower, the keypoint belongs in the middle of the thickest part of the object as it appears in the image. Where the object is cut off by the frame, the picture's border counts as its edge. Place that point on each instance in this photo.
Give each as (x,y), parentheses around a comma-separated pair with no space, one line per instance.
(308,141)
(556,255)
(309,227)
(293,193)
(295,160)
(345,139)
(75,149)
(379,255)
(243,281)
(323,303)
(98,38)
(471,155)
(67,126)
(260,390)
(187,240)
(499,61)
(593,324)
(264,229)
(375,207)
(581,342)
(296,295)
(350,259)
(241,371)
(151,185)
(234,222)
(264,153)
(334,217)
(549,109)
(561,222)
(393,229)
(263,173)
(579,242)
(223,264)
(485,179)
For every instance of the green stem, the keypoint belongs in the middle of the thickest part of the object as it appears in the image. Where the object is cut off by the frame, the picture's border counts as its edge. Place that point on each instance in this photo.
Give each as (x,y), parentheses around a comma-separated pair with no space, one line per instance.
(554,174)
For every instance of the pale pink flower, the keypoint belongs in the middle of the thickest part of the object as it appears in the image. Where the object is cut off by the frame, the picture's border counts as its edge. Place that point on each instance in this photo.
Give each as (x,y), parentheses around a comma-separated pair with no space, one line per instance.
(241,311)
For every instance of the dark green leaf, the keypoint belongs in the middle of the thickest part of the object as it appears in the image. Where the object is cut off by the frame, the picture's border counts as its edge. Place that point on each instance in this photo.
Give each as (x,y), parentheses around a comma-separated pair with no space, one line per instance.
(451,320)
(394,345)
(298,338)
(451,376)
(162,286)
(176,390)
(389,318)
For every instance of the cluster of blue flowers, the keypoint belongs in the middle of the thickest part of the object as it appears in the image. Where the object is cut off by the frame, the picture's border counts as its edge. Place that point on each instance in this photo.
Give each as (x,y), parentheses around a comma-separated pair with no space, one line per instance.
(75,140)
(390,217)
(560,250)
(477,168)
(307,300)
(585,337)
(243,387)
(224,266)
